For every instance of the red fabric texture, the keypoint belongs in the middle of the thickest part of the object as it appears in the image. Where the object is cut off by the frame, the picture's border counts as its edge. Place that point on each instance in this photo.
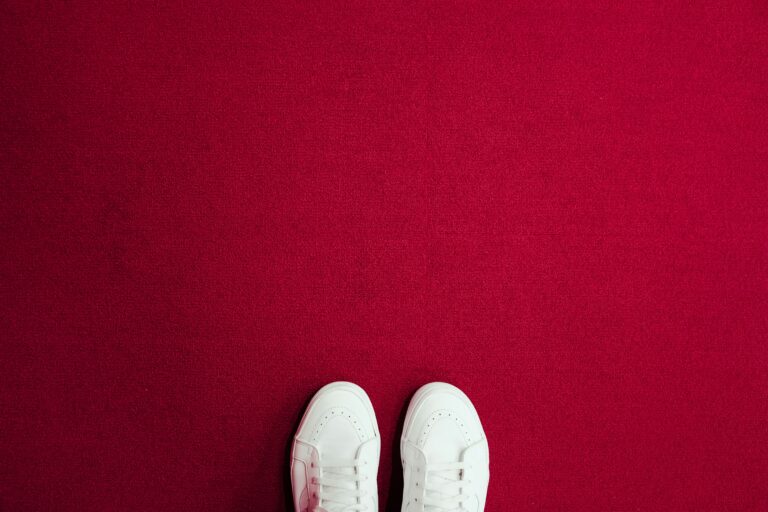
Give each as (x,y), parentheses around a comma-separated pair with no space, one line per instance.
(211,210)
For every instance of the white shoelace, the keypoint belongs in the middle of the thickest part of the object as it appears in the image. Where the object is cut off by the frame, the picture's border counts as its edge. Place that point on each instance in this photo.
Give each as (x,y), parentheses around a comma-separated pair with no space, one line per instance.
(444,487)
(340,489)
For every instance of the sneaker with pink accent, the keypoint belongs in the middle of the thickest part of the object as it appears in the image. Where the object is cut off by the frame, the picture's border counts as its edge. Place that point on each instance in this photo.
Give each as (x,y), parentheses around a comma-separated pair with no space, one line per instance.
(335,456)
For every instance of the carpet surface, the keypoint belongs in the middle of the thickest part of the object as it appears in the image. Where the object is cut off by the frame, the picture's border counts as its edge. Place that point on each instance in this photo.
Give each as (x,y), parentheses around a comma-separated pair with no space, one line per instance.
(211,210)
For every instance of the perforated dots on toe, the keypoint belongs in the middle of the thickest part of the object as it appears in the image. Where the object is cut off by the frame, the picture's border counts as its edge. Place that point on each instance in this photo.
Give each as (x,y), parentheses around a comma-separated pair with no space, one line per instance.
(442,415)
(339,412)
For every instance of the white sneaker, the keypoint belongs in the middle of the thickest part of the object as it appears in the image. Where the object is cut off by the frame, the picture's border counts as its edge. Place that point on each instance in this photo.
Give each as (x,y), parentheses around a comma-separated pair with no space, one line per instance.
(335,456)
(444,452)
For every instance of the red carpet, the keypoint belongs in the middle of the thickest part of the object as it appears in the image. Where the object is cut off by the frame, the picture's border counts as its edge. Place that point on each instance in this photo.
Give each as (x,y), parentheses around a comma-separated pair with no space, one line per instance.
(209,211)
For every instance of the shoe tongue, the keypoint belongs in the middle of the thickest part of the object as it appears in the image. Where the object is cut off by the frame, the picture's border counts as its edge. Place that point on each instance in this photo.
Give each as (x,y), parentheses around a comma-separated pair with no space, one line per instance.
(446,444)
(441,477)
(437,479)
(338,474)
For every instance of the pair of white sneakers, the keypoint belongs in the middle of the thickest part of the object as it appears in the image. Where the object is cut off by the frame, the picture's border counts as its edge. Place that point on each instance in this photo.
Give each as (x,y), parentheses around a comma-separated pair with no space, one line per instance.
(335,456)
